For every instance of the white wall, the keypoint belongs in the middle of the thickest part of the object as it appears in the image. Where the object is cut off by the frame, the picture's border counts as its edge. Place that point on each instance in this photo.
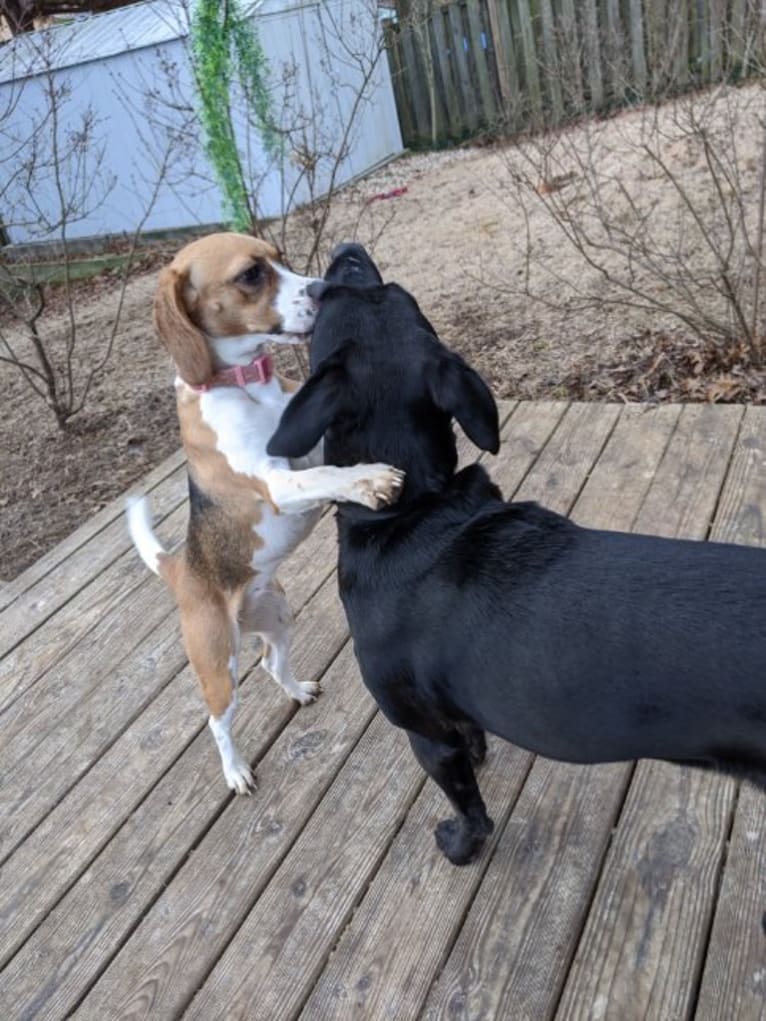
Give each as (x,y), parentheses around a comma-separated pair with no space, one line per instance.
(125,146)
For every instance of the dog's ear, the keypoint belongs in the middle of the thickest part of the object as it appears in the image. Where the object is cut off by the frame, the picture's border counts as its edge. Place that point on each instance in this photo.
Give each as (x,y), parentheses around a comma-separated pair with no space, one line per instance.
(457,389)
(185,342)
(312,411)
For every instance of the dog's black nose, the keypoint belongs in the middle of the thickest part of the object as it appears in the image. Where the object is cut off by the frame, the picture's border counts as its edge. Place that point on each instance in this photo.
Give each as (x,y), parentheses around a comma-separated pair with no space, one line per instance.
(350,251)
(316,289)
(352,265)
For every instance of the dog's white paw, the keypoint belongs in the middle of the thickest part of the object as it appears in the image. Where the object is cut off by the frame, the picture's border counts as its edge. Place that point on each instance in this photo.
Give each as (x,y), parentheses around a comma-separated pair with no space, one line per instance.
(306,691)
(380,486)
(239,777)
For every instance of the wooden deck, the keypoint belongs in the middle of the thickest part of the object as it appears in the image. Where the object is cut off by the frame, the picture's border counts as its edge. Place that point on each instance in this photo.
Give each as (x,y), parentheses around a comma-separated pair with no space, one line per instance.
(133,885)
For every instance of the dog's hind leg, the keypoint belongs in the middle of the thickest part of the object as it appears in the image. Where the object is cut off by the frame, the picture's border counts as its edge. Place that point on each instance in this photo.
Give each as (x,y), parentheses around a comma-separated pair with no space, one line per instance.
(211,638)
(267,612)
(448,763)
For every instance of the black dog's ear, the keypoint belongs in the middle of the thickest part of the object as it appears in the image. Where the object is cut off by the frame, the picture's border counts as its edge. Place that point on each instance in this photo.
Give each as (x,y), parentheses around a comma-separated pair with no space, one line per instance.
(312,411)
(457,389)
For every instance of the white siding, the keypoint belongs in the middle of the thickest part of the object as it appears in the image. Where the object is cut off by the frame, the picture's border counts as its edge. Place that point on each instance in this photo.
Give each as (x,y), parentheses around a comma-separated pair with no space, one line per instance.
(111,82)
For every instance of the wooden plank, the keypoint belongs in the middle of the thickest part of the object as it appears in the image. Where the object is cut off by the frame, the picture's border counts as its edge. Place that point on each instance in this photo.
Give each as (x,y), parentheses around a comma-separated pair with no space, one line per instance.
(96,695)
(401,86)
(479,52)
(569,56)
(702,39)
(733,979)
(510,958)
(86,532)
(615,51)
(623,474)
(660,875)
(454,26)
(523,436)
(444,61)
(737,44)
(682,30)
(373,972)
(231,860)
(96,629)
(523,11)
(61,847)
(579,438)
(592,52)
(79,622)
(638,58)
(551,68)
(682,499)
(443,115)
(56,587)
(740,513)
(38,726)
(416,80)
(657,28)
(717,23)
(502,44)
(646,933)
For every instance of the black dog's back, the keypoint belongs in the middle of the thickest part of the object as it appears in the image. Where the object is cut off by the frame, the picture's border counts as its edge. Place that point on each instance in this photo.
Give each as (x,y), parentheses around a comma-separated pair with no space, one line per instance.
(578,644)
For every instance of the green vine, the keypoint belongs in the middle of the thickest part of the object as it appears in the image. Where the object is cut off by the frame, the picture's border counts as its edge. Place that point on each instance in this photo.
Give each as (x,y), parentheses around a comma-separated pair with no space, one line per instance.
(220,33)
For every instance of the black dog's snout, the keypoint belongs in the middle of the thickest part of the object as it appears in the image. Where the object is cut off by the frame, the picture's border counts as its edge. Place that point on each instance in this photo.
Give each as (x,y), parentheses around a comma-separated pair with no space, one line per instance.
(316,289)
(350,251)
(351,264)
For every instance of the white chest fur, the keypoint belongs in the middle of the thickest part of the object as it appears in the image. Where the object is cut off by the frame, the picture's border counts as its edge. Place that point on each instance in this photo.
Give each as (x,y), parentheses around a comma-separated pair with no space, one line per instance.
(244,420)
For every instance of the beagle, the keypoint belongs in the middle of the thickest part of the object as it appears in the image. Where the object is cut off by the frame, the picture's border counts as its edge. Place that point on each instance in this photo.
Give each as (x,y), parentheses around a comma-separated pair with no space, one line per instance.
(218,304)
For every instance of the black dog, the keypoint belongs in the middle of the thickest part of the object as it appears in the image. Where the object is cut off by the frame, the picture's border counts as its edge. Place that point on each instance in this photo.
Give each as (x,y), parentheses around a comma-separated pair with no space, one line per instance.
(471,614)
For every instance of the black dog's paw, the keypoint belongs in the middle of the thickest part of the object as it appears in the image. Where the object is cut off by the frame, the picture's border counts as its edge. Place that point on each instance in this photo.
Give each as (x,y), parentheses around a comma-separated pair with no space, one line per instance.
(460,842)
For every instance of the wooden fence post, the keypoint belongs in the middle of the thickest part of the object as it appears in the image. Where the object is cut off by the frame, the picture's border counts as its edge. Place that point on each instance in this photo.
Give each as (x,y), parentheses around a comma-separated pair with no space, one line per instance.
(592,50)
(479,48)
(551,68)
(616,71)
(570,46)
(522,9)
(402,85)
(470,106)
(502,43)
(443,52)
(638,59)
(419,101)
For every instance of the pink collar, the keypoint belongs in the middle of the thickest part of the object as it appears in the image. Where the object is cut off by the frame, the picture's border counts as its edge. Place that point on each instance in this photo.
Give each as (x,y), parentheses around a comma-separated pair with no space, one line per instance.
(260,370)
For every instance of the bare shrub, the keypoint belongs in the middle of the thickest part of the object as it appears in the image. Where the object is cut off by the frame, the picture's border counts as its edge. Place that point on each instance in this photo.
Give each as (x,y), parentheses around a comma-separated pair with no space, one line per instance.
(57,155)
(664,207)
(321,134)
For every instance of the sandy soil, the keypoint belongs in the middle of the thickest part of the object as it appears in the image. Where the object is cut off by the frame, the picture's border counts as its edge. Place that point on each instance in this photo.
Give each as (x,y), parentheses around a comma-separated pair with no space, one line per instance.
(473,247)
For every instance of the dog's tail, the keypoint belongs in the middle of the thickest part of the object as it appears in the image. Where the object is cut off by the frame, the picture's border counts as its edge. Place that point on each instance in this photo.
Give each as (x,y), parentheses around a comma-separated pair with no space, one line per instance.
(140,527)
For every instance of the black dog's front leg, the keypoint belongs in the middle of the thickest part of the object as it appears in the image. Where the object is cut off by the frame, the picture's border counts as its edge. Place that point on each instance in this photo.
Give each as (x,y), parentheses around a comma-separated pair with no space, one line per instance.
(448,763)
(476,740)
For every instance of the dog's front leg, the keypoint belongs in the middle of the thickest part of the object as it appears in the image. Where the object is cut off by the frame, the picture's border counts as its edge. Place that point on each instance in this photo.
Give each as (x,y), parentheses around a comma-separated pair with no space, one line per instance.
(448,763)
(293,492)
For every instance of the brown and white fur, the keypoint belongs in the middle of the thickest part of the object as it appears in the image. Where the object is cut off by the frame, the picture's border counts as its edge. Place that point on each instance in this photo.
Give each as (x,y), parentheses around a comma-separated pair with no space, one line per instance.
(219,302)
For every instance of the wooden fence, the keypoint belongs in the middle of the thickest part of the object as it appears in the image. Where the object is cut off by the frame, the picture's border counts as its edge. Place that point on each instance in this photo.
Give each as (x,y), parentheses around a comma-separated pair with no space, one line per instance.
(507,65)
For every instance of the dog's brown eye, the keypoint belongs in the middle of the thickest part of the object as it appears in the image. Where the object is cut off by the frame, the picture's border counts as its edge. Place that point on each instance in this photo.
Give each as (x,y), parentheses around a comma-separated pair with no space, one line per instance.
(252,275)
